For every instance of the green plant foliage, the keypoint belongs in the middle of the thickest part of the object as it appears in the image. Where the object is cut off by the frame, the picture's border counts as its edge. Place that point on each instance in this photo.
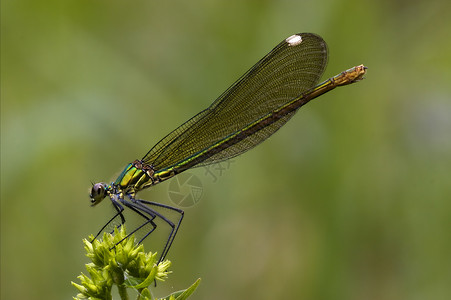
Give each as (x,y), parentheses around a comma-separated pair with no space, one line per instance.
(117,260)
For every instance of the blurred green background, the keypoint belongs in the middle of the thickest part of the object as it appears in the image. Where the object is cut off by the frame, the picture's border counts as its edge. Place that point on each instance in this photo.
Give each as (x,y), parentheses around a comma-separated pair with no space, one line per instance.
(350,200)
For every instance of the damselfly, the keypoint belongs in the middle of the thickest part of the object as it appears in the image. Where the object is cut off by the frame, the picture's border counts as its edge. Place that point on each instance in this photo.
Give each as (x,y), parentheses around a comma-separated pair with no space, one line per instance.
(246,114)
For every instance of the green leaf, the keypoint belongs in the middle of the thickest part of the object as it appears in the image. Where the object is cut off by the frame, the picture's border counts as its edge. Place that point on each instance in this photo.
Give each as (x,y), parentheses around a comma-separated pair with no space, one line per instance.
(183,294)
(146,282)
(145,295)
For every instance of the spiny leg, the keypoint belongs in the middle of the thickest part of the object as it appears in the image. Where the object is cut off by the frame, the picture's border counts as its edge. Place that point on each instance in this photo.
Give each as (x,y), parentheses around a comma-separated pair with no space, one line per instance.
(142,204)
(142,213)
(119,208)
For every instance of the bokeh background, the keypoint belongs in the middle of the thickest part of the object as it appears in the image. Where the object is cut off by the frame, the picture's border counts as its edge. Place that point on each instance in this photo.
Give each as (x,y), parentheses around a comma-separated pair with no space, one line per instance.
(350,200)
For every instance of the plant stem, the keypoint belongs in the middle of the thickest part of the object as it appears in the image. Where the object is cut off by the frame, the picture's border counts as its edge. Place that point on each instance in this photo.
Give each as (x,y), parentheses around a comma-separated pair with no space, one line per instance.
(123,292)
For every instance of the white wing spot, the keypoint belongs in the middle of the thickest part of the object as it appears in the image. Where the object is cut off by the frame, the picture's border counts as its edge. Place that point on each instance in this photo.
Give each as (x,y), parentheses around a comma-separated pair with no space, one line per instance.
(293,40)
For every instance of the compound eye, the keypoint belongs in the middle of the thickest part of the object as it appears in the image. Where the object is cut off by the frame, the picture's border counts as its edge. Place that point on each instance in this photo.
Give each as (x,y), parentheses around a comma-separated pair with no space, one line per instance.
(98,192)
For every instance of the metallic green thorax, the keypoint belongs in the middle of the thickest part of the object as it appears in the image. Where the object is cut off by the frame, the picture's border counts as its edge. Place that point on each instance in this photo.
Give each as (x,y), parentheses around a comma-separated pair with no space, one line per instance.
(137,176)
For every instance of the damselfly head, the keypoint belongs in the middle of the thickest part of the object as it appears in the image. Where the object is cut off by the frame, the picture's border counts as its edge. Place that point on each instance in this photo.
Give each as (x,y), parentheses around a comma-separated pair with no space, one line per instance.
(98,192)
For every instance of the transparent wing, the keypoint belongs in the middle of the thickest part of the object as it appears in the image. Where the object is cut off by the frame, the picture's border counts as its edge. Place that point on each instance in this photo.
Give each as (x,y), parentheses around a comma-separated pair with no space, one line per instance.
(289,70)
